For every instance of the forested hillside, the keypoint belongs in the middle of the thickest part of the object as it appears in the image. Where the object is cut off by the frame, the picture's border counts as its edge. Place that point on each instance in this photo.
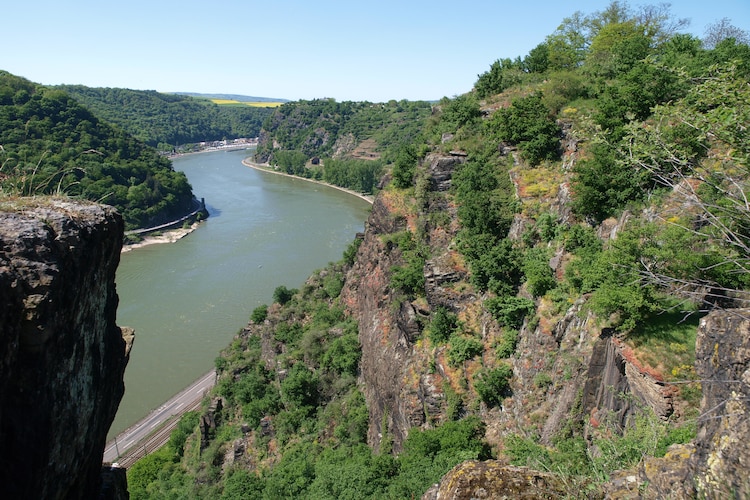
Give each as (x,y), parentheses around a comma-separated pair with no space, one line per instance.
(50,144)
(343,143)
(528,290)
(166,121)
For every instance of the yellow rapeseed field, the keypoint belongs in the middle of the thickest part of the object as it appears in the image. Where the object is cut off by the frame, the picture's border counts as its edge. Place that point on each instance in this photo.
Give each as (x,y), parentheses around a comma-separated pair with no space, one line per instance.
(259,104)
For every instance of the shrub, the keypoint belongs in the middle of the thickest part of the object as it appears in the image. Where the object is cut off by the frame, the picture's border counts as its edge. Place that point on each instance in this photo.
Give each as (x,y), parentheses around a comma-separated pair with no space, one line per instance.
(510,311)
(502,74)
(404,167)
(495,264)
(186,426)
(539,276)
(300,387)
(527,124)
(442,325)
(463,348)
(259,314)
(343,354)
(492,384)
(350,254)
(410,277)
(333,283)
(542,380)
(506,345)
(282,294)
(288,333)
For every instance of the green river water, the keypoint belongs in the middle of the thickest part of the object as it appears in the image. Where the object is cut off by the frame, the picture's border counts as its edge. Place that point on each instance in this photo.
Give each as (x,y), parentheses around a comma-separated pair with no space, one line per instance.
(186,300)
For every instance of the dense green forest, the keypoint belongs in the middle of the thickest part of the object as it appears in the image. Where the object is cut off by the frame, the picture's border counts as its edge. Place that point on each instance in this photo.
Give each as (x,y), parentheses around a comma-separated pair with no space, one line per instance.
(166,121)
(350,142)
(51,144)
(617,149)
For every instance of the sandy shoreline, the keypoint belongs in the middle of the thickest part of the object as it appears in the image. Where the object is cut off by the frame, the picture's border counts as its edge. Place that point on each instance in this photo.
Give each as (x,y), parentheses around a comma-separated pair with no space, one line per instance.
(266,168)
(168,236)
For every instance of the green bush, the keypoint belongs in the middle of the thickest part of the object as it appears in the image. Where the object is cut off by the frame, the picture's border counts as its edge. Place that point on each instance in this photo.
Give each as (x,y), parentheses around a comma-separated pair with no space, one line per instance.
(333,283)
(602,185)
(495,264)
(241,484)
(503,73)
(343,354)
(460,112)
(527,124)
(492,385)
(410,277)
(146,471)
(542,380)
(259,314)
(506,345)
(539,275)
(509,311)
(300,387)
(350,254)
(443,324)
(187,424)
(404,167)
(282,294)
(463,348)
(288,333)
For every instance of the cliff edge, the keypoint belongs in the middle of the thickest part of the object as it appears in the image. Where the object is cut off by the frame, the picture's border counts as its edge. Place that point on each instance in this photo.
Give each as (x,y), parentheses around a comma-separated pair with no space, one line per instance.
(63,357)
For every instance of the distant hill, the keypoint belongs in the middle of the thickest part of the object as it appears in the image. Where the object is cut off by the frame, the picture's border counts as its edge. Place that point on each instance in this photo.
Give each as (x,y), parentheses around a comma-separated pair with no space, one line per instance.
(166,120)
(234,97)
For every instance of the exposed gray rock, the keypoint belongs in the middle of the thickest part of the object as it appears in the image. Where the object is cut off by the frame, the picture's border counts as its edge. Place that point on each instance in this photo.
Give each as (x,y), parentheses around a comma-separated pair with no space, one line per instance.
(62,357)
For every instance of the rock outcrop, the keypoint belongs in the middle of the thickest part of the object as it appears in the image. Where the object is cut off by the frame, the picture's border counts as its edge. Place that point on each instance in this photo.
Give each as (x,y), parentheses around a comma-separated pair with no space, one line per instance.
(492,479)
(62,357)
(566,369)
(386,348)
(722,354)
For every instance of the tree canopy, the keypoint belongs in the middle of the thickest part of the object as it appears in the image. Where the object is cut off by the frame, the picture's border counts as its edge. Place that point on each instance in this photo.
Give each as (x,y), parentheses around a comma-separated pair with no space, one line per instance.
(53,145)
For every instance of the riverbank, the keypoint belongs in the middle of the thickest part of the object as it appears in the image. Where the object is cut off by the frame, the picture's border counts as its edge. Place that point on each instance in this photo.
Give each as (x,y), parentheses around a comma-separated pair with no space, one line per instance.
(267,168)
(168,236)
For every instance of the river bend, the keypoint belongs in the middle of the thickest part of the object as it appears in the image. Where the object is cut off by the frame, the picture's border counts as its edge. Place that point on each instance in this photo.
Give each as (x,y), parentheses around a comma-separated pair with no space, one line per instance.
(186,300)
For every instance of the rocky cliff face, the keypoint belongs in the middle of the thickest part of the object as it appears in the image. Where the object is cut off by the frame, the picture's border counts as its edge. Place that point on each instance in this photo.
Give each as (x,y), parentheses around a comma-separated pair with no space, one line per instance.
(565,367)
(386,349)
(401,389)
(63,357)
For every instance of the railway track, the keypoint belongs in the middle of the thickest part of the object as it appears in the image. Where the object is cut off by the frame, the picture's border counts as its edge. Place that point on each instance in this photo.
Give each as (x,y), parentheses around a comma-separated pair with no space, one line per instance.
(153,441)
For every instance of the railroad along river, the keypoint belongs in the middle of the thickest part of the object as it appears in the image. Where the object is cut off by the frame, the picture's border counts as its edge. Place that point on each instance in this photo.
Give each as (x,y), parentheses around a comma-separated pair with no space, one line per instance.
(186,300)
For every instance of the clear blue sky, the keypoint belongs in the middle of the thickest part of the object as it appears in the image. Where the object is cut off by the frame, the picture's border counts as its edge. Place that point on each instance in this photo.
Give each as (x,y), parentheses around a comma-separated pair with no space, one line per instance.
(348,50)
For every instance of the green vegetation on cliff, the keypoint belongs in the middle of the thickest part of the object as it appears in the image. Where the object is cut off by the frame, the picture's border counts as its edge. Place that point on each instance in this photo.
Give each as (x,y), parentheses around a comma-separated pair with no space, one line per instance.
(50,144)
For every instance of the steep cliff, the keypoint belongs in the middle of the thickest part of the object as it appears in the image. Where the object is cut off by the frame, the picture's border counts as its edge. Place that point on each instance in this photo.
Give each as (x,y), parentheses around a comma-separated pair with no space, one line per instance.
(63,356)
(569,372)
(401,390)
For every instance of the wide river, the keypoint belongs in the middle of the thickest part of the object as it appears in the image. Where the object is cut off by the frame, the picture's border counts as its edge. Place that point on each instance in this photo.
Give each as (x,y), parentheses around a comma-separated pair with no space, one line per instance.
(186,300)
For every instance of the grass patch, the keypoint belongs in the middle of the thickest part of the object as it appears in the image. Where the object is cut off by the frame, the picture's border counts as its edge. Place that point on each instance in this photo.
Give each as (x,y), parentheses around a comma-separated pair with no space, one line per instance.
(667,343)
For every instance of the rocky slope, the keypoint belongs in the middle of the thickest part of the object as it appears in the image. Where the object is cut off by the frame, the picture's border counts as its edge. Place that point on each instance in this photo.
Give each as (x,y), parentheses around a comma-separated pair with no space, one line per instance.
(63,356)
(592,379)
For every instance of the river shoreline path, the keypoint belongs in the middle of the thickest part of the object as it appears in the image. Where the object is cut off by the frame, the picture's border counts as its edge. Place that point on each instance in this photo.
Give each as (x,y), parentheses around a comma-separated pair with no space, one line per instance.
(264,167)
